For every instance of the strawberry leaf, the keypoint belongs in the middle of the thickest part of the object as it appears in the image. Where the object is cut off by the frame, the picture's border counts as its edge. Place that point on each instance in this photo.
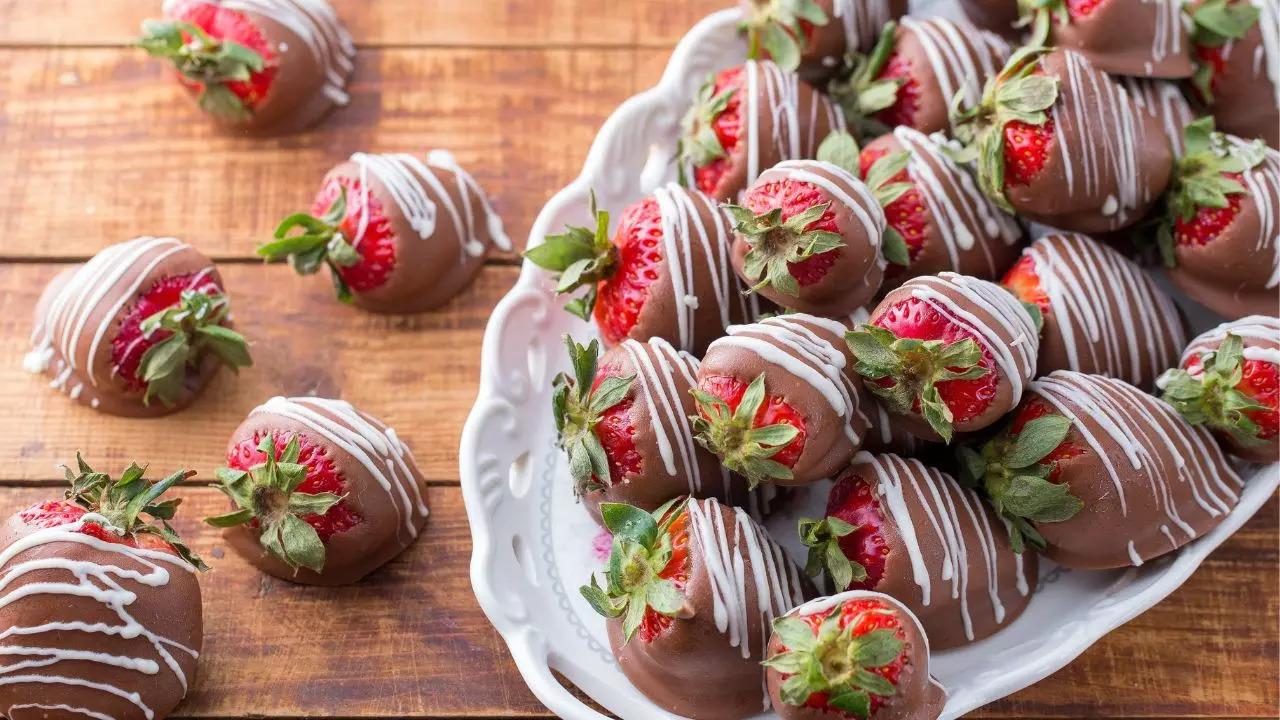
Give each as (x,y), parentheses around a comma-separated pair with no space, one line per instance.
(1212,398)
(841,149)
(581,258)
(776,244)
(732,437)
(578,406)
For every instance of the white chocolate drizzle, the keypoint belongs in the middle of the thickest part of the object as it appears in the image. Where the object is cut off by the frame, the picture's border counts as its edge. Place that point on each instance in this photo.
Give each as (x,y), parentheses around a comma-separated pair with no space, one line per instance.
(961,56)
(1259,333)
(1164,101)
(862,21)
(779,91)
(845,190)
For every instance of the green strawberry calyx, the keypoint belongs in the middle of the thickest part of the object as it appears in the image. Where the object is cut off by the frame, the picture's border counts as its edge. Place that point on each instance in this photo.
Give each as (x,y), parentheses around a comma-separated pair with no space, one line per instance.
(777,243)
(778,28)
(310,242)
(860,91)
(191,329)
(581,257)
(1212,397)
(733,437)
(699,145)
(205,60)
(822,537)
(578,406)
(841,149)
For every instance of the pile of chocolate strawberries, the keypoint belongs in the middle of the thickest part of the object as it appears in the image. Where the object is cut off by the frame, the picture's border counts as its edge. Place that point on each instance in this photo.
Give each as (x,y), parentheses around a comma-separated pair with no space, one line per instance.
(919,257)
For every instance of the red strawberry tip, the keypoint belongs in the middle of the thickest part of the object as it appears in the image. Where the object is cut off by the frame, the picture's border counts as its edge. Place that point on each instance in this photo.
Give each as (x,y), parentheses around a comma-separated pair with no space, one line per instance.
(268,494)
(578,405)
(778,27)
(1212,397)
(190,329)
(206,61)
(318,242)
(731,434)
(776,244)
(581,257)
(822,537)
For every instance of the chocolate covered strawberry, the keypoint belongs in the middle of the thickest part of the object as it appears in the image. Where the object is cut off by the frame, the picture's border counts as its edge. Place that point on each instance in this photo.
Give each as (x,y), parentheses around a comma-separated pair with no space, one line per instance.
(1163,101)
(100,604)
(1098,474)
(275,66)
(777,400)
(1102,313)
(1236,47)
(398,233)
(915,72)
(810,235)
(1057,141)
(1229,381)
(623,422)
(947,353)
(942,217)
(690,591)
(853,655)
(897,526)
(1221,235)
(1147,39)
(323,494)
(744,121)
(664,273)
(139,330)
(812,36)
(997,16)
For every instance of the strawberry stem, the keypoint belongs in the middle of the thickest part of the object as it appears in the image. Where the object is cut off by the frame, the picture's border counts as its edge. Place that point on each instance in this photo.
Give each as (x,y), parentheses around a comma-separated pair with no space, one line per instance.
(193,328)
(207,61)
(319,242)
(578,406)
(776,244)
(733,437)
(581,258)
(1211,397)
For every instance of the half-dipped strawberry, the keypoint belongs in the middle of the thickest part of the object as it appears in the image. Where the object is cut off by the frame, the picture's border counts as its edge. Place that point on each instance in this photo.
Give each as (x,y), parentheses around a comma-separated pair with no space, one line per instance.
(1234,44)
(272,70)
(1057,141)
(139,330)
(812,36)
(323,493)
(744,121)
(1220,238)
(397,232)
(1146,39)
(665,272)
(688,636)
(897,526)
(915,72)
(854,655)
(1229,381)
(99,592)
(1098,474)
(947,353)
(777,400)
(1101,312)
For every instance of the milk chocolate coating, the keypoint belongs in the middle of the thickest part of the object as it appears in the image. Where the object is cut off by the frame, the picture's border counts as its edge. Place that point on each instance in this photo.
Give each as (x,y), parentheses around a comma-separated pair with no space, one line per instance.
(965,232)
(79,313)
(1108,162)
(166,608)
(976,583)
(700,668)
(1236,273)
(314,57)
(696,294)
(1106,316)
(855,275)
(1150,482)
(391,516)
(918,696)
(442,222)
(996,321)
(850,27)
(1146,39)
(1261,337)
(946,57)
(790,119)
(1245,101)
(1163,101)
(997,16)
(806,363)
(672,462)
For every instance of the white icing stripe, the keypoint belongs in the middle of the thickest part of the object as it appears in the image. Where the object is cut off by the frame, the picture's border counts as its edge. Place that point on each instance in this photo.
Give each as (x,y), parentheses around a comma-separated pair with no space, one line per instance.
(961,56)
(1259,333)
(1269,56)
(1163,101)
(376,448)
(779,91)
(843,188)
(862,21)
(101,583)
(665,376)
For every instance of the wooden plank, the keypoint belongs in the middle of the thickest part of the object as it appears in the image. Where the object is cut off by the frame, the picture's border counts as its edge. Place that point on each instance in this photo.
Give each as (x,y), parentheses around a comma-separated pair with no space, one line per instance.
(418,373)
(100,145)
(487,23)
(409,641)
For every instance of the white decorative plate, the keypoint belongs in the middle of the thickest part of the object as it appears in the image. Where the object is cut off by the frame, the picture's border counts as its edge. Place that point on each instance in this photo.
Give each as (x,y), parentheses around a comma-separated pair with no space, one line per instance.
(533,544)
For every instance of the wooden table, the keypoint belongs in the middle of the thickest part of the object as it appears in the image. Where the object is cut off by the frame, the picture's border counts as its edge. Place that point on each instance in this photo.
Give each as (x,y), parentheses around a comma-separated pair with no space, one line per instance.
(98,145)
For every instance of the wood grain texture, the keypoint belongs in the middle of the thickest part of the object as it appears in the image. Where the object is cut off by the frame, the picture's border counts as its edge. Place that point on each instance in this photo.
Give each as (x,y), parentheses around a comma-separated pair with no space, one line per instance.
(416,23)
(417,373)
(100,145)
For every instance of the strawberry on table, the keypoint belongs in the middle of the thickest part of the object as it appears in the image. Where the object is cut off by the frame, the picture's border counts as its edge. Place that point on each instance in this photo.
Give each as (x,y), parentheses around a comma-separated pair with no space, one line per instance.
(1220,238)
(1229,381)
(276,66)
(1098,474)
(665,272)
(853,655)
(398,233)
(1101,312)
(139,330)
(1057,141)
(100,604)
(915,72)
(1236,48)
(897,526)
(745,120)
(1145,39)
(813,36)
(689,593)
(947,353)
(778,401)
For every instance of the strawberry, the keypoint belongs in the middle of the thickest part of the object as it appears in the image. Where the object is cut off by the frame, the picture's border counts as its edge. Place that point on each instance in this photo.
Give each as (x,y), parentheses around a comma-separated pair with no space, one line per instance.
(783,29)
(1147,39)
(218,53)
(592,409)
(1024,282)
(848,543)
(1216,23)
(713,129)
(110,510)
(906,214)
(290,495)
(1208,191)
(756,435)
(344,212)
(1231,54)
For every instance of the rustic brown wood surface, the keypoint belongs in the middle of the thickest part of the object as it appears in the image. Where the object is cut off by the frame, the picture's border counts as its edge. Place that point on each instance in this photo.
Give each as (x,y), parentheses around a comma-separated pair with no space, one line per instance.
(97,145)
